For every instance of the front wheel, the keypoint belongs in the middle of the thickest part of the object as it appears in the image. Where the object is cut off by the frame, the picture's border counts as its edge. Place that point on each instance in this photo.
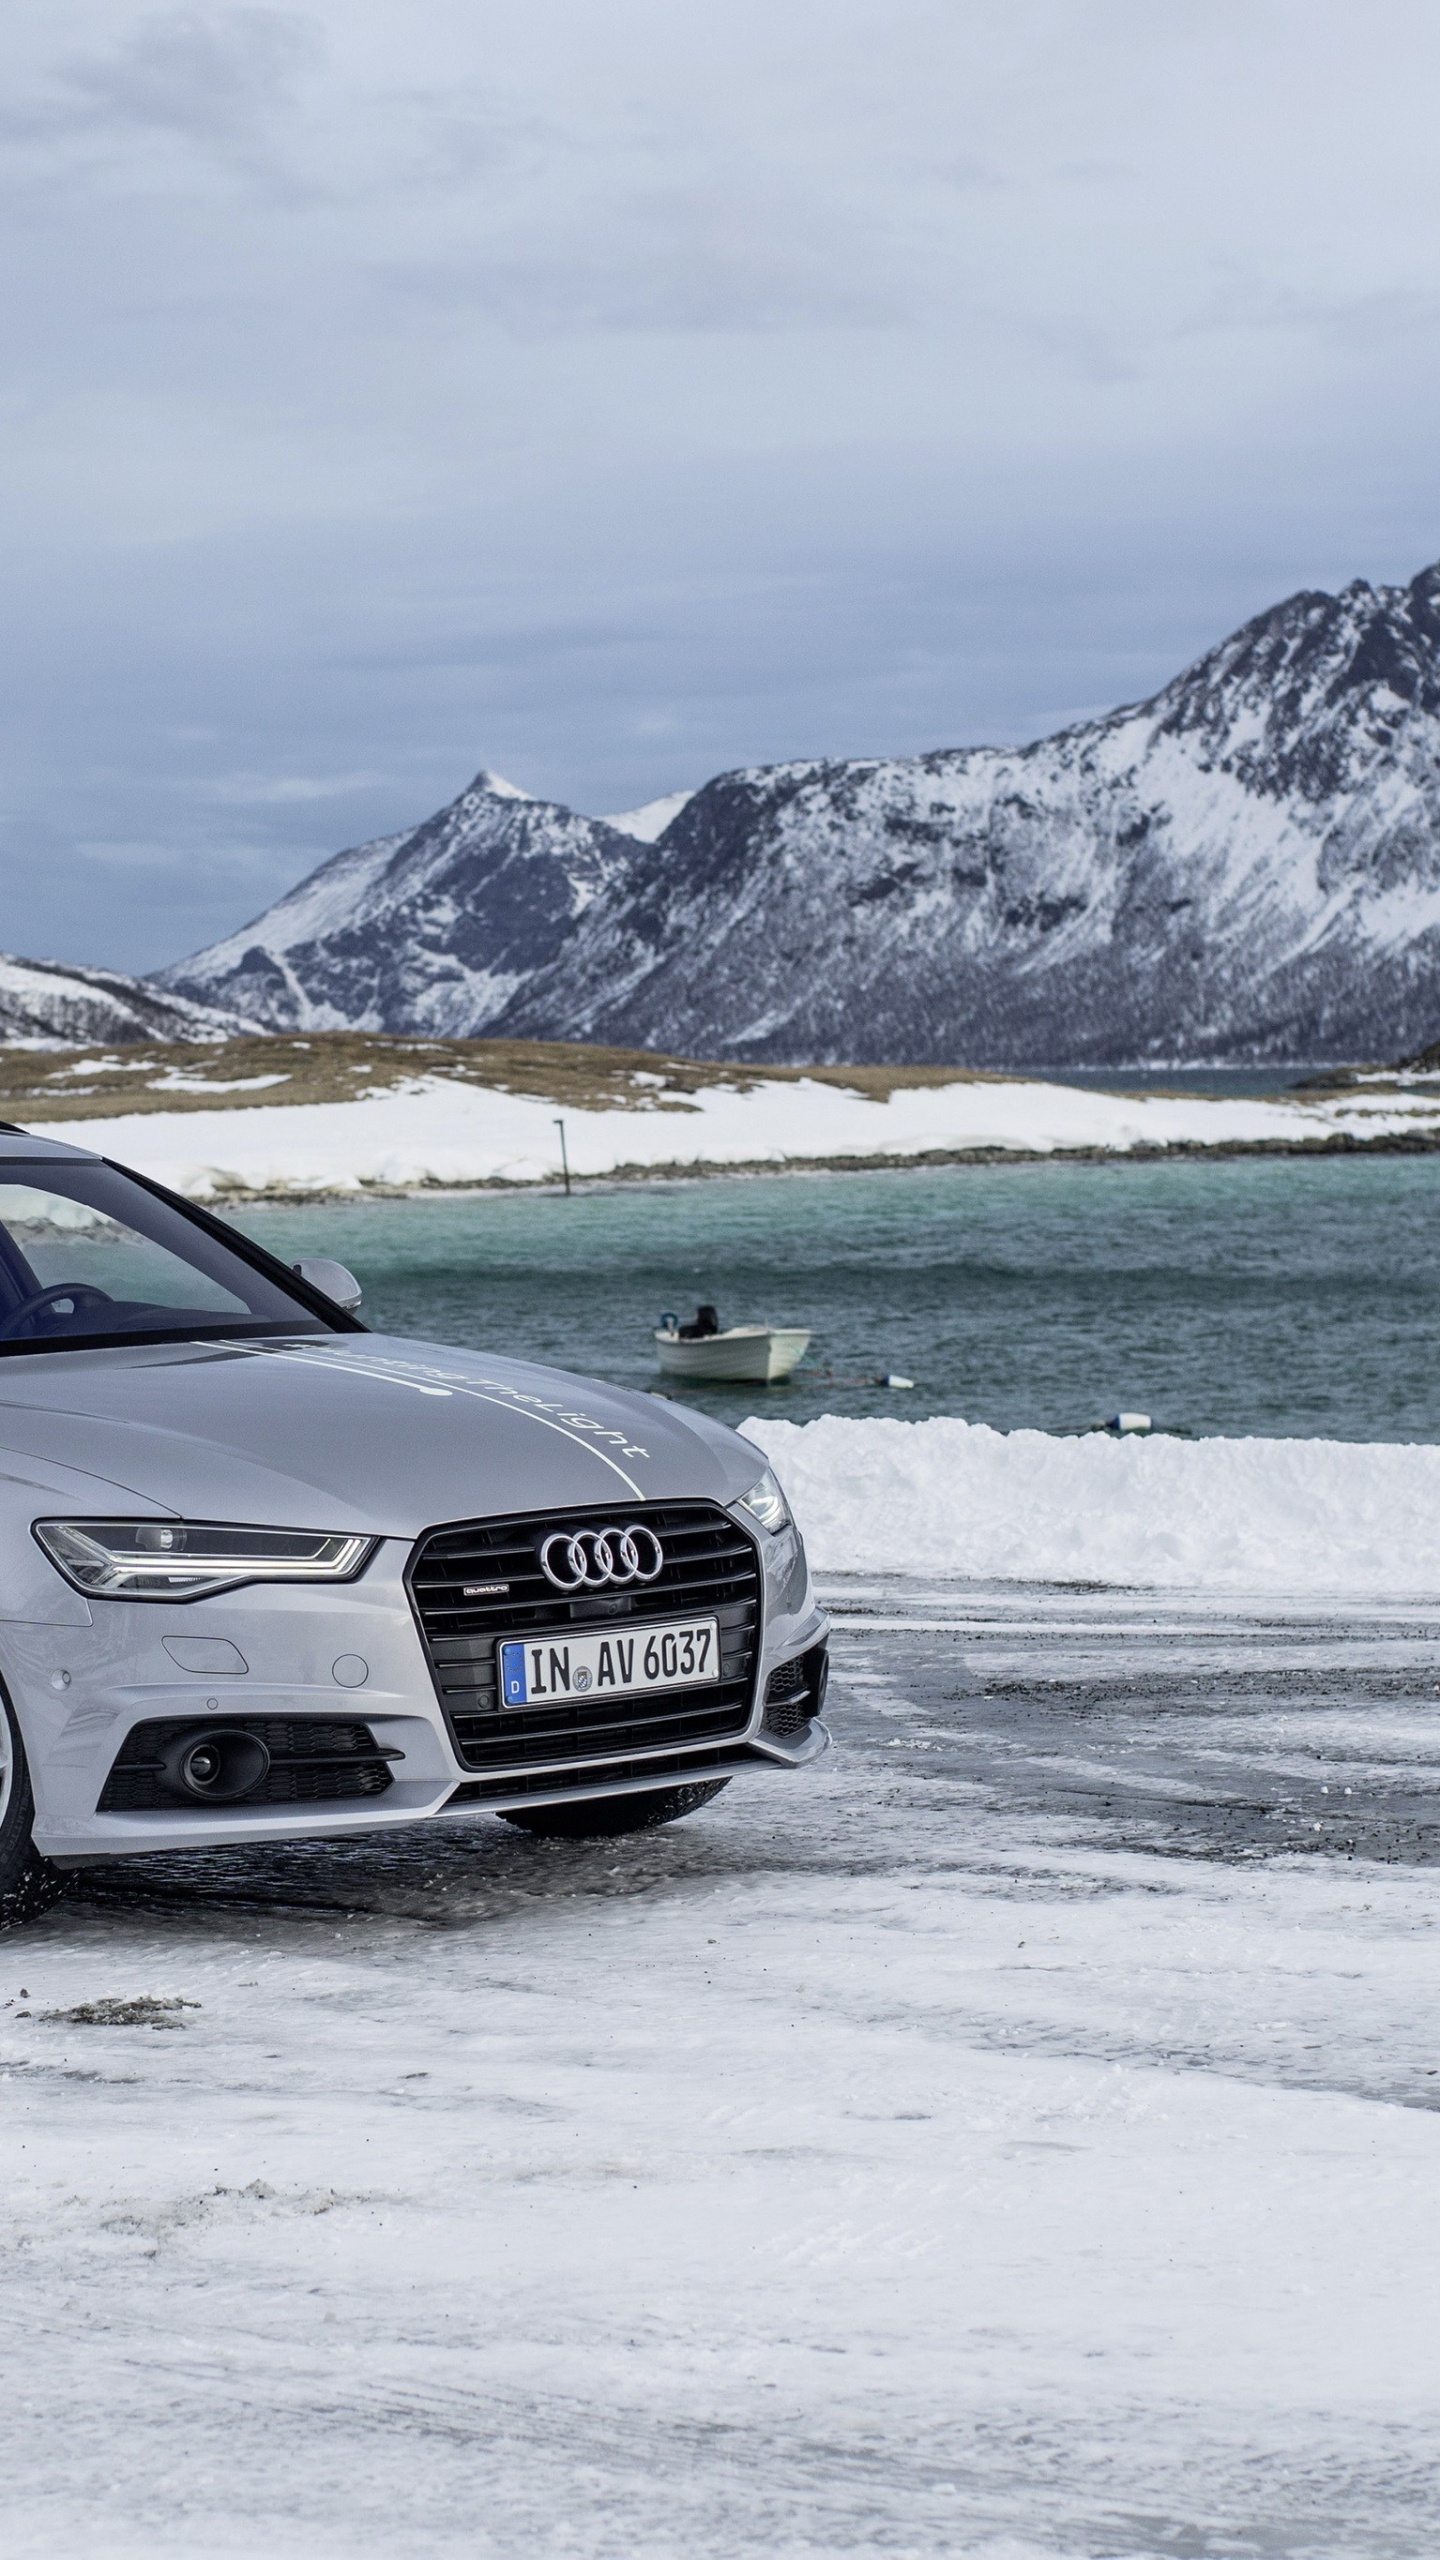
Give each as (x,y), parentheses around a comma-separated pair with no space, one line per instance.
(609,1815)
(28,1882)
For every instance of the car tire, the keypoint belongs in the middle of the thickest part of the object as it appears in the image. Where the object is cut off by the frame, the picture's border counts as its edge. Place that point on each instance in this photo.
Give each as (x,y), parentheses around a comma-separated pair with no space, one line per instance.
(608,1816)
(28,1882)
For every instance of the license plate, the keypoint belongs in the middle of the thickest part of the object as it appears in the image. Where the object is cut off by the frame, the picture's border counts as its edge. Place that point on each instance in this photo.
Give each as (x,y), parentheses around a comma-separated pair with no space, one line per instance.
(547,1670)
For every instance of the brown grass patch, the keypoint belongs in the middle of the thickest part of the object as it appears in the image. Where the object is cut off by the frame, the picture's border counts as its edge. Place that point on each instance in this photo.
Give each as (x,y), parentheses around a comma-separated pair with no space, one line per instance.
(342,1066)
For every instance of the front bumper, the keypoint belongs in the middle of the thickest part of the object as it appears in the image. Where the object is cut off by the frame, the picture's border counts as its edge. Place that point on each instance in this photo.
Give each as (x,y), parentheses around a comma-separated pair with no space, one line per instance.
(348,1654)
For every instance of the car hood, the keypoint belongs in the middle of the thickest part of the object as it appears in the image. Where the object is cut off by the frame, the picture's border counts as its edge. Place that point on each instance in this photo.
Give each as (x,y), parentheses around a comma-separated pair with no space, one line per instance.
(357,1432)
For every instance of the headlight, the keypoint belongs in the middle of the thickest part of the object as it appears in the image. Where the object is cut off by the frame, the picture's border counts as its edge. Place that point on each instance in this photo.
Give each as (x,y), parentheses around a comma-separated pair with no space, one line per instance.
(180,1559)
(766,1503)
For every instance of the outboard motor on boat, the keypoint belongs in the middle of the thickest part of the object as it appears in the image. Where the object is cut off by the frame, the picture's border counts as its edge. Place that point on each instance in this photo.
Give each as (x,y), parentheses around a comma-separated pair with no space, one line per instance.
(706,1322)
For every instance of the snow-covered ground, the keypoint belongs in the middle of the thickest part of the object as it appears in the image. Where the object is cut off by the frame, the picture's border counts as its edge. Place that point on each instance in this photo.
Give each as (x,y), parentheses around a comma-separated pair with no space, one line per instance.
(438,1131)
(932,2156)
(1322,1516)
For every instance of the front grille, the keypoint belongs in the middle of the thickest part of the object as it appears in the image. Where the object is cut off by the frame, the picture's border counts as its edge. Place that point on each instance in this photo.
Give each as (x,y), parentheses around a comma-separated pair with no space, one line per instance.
(795,1693)
(710,1570)
(312,1761)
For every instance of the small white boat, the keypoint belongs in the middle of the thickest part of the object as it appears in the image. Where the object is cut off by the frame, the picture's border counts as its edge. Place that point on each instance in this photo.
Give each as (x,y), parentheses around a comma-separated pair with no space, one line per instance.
(758,1354)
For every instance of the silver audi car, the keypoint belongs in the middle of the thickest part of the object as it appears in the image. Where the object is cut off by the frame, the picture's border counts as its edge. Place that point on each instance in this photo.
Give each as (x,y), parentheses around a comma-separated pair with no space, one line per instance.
(265,1575)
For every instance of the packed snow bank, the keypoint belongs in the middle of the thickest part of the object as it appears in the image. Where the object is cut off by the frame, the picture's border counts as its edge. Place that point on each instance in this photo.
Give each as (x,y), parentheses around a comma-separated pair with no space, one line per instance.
(947,1496)
(437,1131)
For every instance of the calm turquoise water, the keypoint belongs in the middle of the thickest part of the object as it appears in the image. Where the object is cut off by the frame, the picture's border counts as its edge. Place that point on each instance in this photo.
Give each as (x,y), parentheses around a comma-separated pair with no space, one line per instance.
(1266,1296)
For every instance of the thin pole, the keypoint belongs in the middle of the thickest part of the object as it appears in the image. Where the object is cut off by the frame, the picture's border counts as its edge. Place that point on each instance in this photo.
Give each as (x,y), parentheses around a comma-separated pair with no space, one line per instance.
(564,1158)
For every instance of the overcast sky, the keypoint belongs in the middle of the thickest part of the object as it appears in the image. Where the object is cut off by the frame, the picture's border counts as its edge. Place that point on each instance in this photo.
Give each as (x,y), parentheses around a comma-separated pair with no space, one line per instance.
(613,391)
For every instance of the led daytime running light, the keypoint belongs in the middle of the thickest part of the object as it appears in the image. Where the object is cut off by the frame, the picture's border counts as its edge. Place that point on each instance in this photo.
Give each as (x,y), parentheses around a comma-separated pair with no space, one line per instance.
(179,1559)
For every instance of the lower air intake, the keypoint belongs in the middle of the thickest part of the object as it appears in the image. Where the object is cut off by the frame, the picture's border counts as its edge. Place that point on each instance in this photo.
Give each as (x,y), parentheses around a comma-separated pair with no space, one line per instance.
(312,1760)
(795,1693)
(672,1767)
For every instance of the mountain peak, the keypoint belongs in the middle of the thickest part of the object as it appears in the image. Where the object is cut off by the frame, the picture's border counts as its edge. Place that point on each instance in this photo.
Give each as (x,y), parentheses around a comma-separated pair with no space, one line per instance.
(437,927)
(497,786)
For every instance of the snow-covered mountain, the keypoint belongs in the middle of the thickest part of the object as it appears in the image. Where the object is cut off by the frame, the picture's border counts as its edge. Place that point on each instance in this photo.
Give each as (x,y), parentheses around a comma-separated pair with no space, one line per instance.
(1245,867)
(431,931)
(646,823)
(47,1004)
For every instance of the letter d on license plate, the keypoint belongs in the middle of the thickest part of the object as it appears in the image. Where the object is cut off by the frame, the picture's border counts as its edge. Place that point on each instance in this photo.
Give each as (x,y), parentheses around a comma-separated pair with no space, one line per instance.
(543,1671)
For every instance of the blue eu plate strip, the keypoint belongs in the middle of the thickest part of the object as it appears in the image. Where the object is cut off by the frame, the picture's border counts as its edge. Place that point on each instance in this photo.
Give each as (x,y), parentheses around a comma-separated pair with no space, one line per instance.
(513,1688)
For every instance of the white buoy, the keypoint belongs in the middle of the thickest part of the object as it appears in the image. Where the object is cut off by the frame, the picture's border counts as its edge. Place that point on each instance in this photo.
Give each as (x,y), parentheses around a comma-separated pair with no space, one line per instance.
(1119,1422)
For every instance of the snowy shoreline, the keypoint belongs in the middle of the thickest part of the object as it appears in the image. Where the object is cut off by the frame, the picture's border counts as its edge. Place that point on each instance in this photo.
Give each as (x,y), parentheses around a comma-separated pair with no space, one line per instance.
(439,1134)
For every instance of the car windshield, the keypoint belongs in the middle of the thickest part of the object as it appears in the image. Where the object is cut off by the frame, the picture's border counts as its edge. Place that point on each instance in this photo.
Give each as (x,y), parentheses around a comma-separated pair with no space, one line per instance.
(88,1255)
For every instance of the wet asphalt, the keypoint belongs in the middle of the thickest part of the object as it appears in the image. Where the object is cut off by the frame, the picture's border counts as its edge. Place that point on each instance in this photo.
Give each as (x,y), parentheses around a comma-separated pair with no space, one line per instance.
(1173,1726)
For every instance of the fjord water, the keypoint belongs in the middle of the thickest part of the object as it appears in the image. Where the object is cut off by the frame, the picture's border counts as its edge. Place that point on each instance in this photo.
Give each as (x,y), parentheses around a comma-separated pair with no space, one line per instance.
(1265,1295)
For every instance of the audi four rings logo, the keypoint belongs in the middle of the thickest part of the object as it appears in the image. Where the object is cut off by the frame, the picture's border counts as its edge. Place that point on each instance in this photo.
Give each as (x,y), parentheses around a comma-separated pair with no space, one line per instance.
(589,1558)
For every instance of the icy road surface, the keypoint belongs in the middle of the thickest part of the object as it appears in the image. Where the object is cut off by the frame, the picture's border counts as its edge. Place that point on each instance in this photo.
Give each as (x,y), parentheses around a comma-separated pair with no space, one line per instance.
(1020,2137)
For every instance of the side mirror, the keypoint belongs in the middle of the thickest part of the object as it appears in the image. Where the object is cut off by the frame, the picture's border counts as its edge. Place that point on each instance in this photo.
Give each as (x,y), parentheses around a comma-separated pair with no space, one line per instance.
(334,1280)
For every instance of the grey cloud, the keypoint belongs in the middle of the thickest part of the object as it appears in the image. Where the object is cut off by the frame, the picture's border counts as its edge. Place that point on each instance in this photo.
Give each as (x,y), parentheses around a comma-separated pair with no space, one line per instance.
(1097,173)
(215,78)
(1087,350)
(967,174)
(211,75)
(444,142)
(1355,323)
(677,260)
(123,856)
(282,790)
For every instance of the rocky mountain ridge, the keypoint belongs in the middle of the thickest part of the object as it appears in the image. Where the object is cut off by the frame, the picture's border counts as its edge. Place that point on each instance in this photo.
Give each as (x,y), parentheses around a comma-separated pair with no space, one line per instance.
(52,1004)
(432,931)
(1245,867)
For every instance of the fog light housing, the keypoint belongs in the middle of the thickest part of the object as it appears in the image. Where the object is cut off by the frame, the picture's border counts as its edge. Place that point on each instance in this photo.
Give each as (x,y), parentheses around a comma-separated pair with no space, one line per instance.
(217,1765)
